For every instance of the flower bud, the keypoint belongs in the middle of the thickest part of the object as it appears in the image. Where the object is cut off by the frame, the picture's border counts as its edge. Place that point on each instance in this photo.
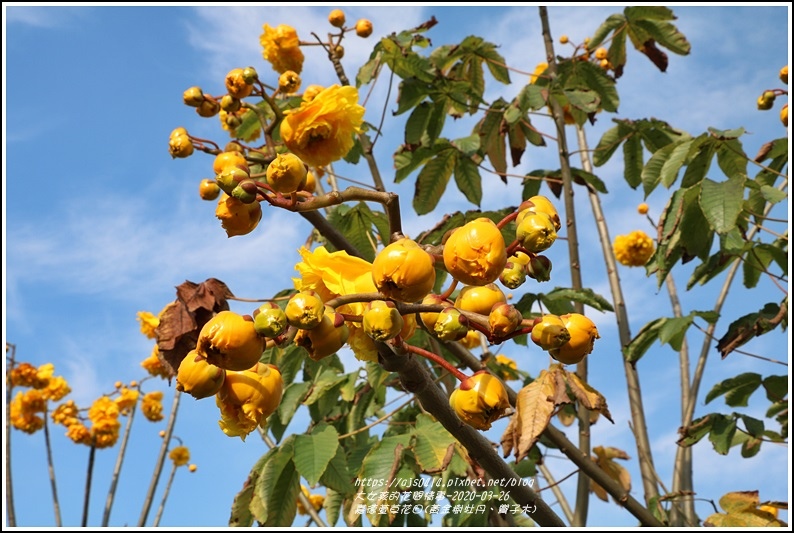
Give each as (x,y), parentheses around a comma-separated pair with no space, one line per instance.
(549,332)
(601,53)
(229,341)
(337,18)
(326,338)
(563,39)
(504,319)
(363,28)
(480,400)
(784,115)
(236,217)
(642,208)
(209,189)
(784,74)
(429,318)
(479,299)
(286,173)
(536,232)
(289,82)
(305,310)
(230,104)
(248,397)
(311,91)
(180,146)
(230,177)
(250,75)
(229,159)
(404,271)
(450,325)
(193,97)
(197,377)
(270,320)
(539,268)
(513,276)
(766,100)
(209,107)
(310,184)
(539,204)
(245,191)
(382,321)
(583,334)
(471,340)
(474,254)
(339,51)
(236,84)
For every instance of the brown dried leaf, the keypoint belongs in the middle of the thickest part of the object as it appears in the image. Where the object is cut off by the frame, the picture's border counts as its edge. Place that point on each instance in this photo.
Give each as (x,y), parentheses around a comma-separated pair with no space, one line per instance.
(182,320)
(598,490)
(534,407)
(734,502)
(604,458)
(656,56)
(589,397)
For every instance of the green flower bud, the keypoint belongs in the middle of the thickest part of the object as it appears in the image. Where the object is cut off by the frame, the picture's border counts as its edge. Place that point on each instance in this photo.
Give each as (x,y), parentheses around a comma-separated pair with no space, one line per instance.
(193,97)
(230,177)
(269,320)
(539,268)
(536,232)
(230,104)
(513,276)
(450,325)
(305,310)
(250,75)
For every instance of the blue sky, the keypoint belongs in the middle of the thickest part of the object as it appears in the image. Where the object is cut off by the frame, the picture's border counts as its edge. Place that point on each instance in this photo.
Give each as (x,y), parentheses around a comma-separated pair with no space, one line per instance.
(100,223)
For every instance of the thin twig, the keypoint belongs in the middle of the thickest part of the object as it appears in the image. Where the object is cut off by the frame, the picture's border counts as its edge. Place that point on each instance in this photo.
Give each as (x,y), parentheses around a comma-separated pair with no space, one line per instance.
(117,468)
(165,496)
(12,517)
(89,475)
(376,422)
(158,467)
(51,470)
(555,489)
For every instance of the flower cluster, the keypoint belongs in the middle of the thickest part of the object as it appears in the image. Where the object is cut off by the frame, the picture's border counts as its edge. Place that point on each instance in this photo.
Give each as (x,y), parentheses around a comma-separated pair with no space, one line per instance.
(634,249)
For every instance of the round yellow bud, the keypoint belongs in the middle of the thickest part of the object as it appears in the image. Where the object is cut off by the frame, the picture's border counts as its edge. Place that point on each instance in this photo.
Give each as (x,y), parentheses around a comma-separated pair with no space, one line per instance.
(236,85)
(480,298)
(286,173)
(363,28)
(601,53)
(784,74)
(474,254)
(229,341)
(289,82)
(563,39)
(480,400)
(583,335)
(236,217)
(209,189)
(642,208)
(197,377)
(404,271)
(337,18)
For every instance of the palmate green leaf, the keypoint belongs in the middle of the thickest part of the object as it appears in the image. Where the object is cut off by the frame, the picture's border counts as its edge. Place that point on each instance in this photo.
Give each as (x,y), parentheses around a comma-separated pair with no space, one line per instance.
(531,98)
(411,91)
(652,172)
(325,381)
(250,121)
(666,35)
(633,161)
(314,452)
(644,339)
(669,171)
(416,125)
(776,388)
(437,117)
(723,429)
(634,13)
(495,62)
(337,475)
(616,53)
(582,177)
(290,400)
(584,296)
(380,465)
(432,181)
(757,261)
(593,77)
(584,99)
(531,187)
(433,446)
(370,69)
(737,390)
(753,426)
(746,327)
(244,509)
(722,202)
(332,506)
(700,157)
(695,234)
(673,331)
(612,23)
(467,178)
(709,269)
(278,487)
(355,223)
(610,141)
(469,145)
(731,158)
(656,134)
(412,65)
(530,133)
(406,160)
(698,429)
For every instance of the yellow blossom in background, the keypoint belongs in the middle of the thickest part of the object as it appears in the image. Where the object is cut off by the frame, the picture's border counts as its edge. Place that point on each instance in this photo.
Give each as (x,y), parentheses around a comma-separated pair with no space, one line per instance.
(107,435)
(66,414)
(22,411)
(79,434)
(633,249)
(642,208)
(56,389)
(127,400)
(149,323)
(539,69)
(43,375)
(332,274)
(281,48)
(104,416)
(321,131)
(509,363)
(179,455)
(154,366)
(152,407)
(23,375)
(317,501)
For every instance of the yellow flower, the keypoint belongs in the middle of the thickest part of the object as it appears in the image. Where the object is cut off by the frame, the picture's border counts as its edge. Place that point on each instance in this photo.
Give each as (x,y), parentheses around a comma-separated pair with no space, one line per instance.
(247,398)
(149,323)
(79,434)
(56,389)
(43,375)
(321,131)
(281,48)
(236,217)
(102,410)
(180,455)
(22,412)
(33,401)
(66,414)
(152,407)
(154,366)
(105,425)
(23,375)
(335,274)
(311,92)
(316,500)
(539,69)
(634,249)
(127,400)
(510,365)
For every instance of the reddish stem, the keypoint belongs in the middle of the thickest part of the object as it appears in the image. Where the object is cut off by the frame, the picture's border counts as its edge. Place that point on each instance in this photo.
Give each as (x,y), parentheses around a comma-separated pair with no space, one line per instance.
(506,220)
(436,359)
(447,293)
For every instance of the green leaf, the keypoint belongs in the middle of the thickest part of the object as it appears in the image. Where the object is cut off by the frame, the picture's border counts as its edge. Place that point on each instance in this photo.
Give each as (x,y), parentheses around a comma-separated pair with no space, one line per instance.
(530,133)
(410,93)
(695,234)
(469,146)
(633,161)
(666,35)
(432,181)
(531,187)
(750,447)
(369,69)
(250,121)
(325,381)
(652,173)
(674,162)
(582,177)
(634,13)
(406,161)
(336,475)
(467,178)
(290,400)
(641,342)
(737,390)
(437,117)
(434,445)
(722,431)
(278,488)
(698,429)
(332,506)
(314,452)
(773,195)
(609,143)
(673,331)
(731,158)
(722,202)
(612,22)
(416,125)
(746,327)
(584,99)
(756,262)
(753,426)
(495,62)
(596,79)
(584,296)
(531,98)
(379,468)
(700,161)
(244,508)
(776,387)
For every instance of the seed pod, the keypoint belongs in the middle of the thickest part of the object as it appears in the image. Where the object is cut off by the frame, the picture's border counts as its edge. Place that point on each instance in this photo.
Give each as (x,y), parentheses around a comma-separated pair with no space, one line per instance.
(450,325)
(504,319)
(479,299)
(539,268)
(429,318)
